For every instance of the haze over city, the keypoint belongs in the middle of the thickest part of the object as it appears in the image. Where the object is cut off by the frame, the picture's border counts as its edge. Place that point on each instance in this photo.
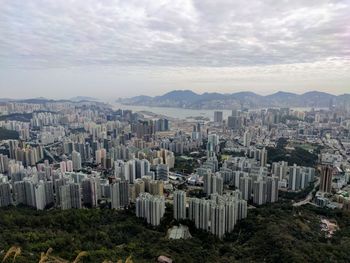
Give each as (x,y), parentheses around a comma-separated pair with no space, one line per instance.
(111,49)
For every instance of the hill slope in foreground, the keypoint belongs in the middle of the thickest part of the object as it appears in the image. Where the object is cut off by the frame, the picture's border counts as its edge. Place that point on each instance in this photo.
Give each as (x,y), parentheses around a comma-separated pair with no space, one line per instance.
(272,233)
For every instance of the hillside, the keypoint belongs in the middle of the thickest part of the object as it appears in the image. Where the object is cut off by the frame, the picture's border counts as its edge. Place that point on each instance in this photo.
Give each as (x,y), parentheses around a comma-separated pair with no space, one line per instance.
(269,234)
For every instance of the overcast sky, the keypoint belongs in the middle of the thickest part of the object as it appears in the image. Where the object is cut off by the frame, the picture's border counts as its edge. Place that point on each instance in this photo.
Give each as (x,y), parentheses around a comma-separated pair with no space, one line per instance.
(111,49)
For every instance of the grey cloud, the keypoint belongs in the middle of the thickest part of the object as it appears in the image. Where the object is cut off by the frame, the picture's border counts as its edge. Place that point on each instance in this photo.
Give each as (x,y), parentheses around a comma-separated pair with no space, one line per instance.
(172,33)
(158,45)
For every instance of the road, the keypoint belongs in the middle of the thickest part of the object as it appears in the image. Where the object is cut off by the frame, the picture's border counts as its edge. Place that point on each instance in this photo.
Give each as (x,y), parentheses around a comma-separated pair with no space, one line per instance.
(308,198)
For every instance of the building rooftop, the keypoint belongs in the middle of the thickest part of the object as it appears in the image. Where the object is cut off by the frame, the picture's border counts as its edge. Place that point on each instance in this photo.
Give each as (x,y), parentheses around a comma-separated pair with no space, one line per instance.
(179,232)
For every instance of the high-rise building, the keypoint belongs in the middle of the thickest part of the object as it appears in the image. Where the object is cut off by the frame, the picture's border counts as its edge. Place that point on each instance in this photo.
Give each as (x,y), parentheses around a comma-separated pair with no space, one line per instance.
(218,217)
(70,196)
(57,184)
(162,172)
(213,183)
(294,178)
(231,215)
(19,192)
(150,207)
(246,139)
(245,186)
(156,187)
(76,159)
(263,157)
(49,194)
(179,204)
(119,194)
(39,196)
(213,144)
(29,193)
(65,198)
(272,189)
(63,167)
(259,192)
(124,193)
(142,167)
(90,192)
(234,122)
(242,209)
(5,194)
(147,179)
(75,195)
(326,179)
(218,117)
(115,195)
(207,188)
(199,212)
(69,166)
(139,186)
(4,162)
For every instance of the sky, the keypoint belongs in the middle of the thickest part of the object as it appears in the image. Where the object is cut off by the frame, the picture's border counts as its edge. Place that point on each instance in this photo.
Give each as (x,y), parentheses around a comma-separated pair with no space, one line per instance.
(110,49)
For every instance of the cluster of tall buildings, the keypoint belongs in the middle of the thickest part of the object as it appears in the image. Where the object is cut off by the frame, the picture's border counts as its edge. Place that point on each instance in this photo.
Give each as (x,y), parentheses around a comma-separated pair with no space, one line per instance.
(213,183)
(147,129)
(243,173)
(293,177)
(25,153)
(219,214)
(259,189)
(30,192)
(70,196)
(98,155)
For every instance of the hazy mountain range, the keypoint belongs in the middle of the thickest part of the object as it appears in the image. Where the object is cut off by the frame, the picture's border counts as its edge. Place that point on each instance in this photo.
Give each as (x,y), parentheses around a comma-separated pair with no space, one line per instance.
(41,100)
(191,100)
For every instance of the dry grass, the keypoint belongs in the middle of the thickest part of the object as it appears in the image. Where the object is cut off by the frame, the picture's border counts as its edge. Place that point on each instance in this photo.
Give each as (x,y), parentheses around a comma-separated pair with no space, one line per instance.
(15,251)
(46,257)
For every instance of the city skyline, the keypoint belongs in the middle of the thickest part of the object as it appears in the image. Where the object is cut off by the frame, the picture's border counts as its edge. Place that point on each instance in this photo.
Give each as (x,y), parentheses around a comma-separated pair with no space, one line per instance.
(123,49)
(174,131)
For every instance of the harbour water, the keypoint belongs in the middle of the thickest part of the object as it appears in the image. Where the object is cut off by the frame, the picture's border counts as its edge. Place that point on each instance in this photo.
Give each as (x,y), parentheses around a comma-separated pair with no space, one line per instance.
(179,113)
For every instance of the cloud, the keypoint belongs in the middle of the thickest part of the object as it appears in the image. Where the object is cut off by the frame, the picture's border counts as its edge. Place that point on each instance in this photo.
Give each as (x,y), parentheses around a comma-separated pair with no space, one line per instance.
(250,37)
(172,33)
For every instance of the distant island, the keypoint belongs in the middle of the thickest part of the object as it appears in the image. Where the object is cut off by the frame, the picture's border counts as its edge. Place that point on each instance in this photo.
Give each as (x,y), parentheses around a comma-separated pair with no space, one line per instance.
(190,100)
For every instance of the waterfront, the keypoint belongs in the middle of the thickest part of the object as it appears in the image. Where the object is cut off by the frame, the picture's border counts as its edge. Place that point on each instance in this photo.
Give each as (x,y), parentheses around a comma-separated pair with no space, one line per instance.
(180,113)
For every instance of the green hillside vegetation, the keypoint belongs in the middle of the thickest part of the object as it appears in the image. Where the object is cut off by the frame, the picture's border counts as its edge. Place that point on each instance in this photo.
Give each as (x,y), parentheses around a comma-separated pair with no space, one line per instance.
(8,134)
(184,164)
(25,117)
(271,233)
(298,156)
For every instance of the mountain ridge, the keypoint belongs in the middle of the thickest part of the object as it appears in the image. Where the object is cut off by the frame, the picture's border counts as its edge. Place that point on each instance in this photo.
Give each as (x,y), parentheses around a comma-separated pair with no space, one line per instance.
(213,100)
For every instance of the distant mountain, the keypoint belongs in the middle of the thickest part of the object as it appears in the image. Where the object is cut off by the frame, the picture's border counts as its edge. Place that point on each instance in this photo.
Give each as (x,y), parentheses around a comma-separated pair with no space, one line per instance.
(5,99)
(136,100)
(83,98)
(282,95)
(38,100)
(192,100)
(179,95)
(30,100)
(42,100)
